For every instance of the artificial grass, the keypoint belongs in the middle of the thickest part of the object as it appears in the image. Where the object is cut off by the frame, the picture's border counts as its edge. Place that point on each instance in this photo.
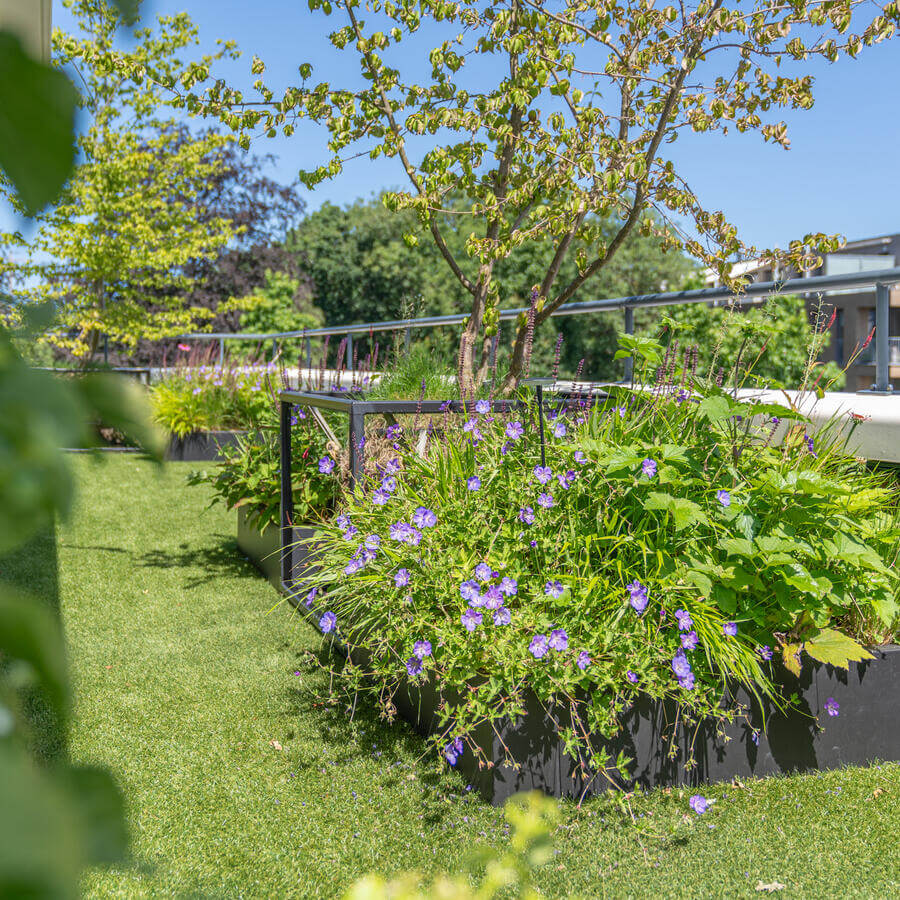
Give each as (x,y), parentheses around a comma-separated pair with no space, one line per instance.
(206,703)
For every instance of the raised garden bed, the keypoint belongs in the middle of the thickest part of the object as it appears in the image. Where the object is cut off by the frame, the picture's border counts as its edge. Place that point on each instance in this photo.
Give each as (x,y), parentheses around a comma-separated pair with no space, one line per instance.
(201,446)
(263,549)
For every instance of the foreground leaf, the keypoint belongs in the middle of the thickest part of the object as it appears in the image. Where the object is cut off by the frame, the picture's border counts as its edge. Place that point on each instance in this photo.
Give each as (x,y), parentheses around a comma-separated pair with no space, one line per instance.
(836,649)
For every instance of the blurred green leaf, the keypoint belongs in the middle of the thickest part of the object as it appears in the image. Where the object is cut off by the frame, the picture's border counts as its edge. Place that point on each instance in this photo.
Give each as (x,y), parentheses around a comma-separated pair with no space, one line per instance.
(101,809)
(37,117)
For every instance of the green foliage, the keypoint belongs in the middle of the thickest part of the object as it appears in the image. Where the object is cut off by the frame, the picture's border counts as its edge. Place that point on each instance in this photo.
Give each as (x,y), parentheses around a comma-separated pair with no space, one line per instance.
(250,476)
(532,818)
(679,494)
(414,375)
(215,398)
(127,223)
(38,114)
(773,344)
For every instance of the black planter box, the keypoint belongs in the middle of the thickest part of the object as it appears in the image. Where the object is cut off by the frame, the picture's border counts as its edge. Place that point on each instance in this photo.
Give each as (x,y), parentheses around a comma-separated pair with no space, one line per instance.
(201,446)
(264,548)
(867,728)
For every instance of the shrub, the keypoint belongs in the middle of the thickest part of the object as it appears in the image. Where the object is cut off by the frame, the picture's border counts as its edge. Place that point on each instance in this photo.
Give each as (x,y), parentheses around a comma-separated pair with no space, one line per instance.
(212,398)
(667,549)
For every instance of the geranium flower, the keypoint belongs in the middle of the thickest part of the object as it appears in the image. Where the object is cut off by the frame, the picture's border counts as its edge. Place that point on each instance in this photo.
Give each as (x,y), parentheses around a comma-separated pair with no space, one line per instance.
(474,483)
(685,623)
(583,661)
(638,596)
(559,640)
(493,597)
(373,541)
(539,646)
(482,407)
(469,590)
(392,466)
(765,652)
(326,465)
(730,629)
(470,425)
(421,649)
(648,467)
(546,500)
(353,566)
(424,518)
(483,572)
(689,640)
(310,597)
(680,665)
(502,616)
(832,707)
(414,666)
(405,534)
(554,589)
(328,622)
(380,497)
(401,579)
(393,431)
(509,586)
(580,458)
(621,410)
(342,521)
(699,804)
(542,473)
(526,515)
(453,751)
(389,484)
(514,430)
(559,429)
(723,497)
(471,619)
(631,676)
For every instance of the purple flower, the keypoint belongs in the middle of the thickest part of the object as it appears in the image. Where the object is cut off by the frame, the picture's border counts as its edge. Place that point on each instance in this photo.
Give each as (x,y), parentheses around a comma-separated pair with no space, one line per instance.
(353,566)
(421,649)
(373,541)
(730,629)
(327,622)
(554,589)
(526,515)
(621,410)
(326,465)
(699,804)
(514,430)
(563,481)
(583,660)
(507,446)
(580,458)
(424,518)
(631,676)
(493,597)
(389,484)
(832,707)
(380,497)
(482,407)
(401,579)
(471,619)
(680,665)
(687,681)
(351,530)
(509,586)
(483,572)
(414,666)
(405,534)
(342,522)
(685,623)
(393,431)
(453,751)
(502,616)
(471,425)
(765,652)
(474,483)
(470,590)
(392,466)
(559,640)
(810,445)
(539,646)
(648,467)
(543,474)
(724,498)
(682,396)
(638,596)
(545,500)
(689,640)
(559,429)
(310,597)
(367,554)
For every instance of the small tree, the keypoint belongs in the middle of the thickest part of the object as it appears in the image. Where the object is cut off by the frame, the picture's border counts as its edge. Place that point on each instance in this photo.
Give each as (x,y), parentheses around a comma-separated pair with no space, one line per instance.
(114,251)
(550,119)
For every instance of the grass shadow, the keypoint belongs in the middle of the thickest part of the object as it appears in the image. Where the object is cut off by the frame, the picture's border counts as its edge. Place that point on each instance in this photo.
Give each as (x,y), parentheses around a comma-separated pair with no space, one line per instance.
(222,559)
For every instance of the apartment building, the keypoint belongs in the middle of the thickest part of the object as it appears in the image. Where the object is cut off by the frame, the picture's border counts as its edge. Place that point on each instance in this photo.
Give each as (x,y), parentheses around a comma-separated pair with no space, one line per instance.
(854,309)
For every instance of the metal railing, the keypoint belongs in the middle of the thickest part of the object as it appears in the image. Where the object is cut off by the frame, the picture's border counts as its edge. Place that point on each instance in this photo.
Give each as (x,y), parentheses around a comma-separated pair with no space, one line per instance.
(880,280)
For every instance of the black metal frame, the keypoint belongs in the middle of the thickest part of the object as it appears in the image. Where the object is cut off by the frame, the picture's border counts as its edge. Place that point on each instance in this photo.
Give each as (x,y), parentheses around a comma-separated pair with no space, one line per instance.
(357,408)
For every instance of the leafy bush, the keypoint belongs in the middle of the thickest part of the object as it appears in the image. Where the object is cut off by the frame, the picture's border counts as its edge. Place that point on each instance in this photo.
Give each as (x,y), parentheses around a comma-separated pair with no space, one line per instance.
(212,398)
(667,549)
(249,477)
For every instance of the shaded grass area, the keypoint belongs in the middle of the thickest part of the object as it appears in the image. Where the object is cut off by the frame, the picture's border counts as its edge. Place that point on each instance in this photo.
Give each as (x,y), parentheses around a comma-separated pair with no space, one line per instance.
(185,676)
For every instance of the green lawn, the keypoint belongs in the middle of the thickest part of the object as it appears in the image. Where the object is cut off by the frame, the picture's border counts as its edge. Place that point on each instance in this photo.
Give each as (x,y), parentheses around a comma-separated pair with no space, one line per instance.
(204,701)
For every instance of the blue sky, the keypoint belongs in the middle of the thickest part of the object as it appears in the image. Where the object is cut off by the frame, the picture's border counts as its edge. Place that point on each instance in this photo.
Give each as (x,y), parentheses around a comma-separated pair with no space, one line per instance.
(841,174)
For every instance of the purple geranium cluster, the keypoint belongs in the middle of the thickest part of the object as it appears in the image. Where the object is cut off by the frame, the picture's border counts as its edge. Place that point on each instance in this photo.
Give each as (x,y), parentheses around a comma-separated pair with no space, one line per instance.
(492,598)
(404,533)
(558,641)
(415,664)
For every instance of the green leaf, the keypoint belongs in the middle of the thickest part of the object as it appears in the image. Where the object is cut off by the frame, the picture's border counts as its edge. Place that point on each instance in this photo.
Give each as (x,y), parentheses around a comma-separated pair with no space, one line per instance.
(737,546)
(100,806)
(714,409)
(29,632)
(658,500)
(836,649)
(686,512)
(37,121)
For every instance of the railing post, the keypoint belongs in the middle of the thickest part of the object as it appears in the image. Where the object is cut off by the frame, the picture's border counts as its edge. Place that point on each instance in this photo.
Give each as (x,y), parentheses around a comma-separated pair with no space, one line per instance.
(629,329)
(287,497)
(308,355)
(274,349)
(882,339)
(221,352)
(357,442)
(349,352)
(407,338)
